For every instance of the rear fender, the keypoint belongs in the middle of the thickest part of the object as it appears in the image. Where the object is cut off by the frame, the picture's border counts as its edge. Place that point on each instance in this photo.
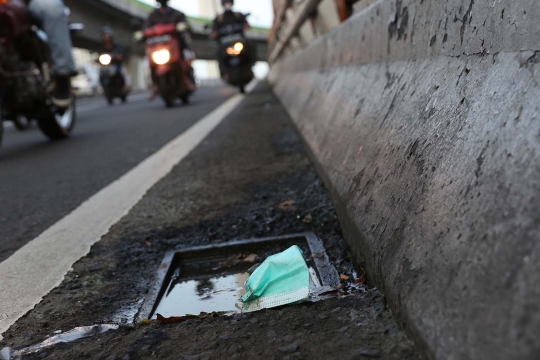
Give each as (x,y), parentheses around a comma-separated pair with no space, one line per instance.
(162,70)
(14,19)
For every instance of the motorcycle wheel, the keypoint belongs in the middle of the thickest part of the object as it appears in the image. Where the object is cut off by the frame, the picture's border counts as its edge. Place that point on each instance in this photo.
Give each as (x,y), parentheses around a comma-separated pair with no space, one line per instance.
(22,123)
(242,89)
(167,86)
(185,99)
(59,126)
(110,100)
(169,102)
(1,128)
(124,98)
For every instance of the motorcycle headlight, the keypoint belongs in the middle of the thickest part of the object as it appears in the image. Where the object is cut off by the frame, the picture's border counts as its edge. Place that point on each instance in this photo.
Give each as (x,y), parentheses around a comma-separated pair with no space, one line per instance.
(105,59)
(161,57)
(238,47)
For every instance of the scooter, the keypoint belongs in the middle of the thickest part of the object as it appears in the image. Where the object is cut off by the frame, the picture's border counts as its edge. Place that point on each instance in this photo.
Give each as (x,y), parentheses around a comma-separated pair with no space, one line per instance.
(112,80)
(235,53)
(169,67)
(26,83)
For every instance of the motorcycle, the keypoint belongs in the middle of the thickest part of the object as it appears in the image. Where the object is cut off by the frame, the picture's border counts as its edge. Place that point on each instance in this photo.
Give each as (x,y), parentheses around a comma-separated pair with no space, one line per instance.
(111,79)
(26,83)
(169,67)
(22,123)
(235,52)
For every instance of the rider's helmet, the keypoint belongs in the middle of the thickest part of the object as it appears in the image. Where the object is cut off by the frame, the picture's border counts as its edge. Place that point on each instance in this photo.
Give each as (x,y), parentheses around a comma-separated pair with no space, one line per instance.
(163,2)
(107,33)
(227,4)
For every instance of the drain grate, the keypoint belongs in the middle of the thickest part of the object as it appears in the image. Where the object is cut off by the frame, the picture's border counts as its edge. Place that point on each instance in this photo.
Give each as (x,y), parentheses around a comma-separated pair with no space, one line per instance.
(211,278)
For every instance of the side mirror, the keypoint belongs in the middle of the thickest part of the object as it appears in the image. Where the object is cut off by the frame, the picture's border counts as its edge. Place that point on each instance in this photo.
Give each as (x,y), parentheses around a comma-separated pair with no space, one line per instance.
(75,27)
(207,27)
(138,36)
(181,27)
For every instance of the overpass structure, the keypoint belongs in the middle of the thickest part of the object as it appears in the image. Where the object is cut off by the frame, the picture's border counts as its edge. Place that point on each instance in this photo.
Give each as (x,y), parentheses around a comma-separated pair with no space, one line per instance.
(126,17)
(422,117)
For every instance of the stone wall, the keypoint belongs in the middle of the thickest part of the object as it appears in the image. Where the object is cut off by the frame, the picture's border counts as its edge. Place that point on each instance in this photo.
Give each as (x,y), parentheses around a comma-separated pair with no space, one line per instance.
(423,117)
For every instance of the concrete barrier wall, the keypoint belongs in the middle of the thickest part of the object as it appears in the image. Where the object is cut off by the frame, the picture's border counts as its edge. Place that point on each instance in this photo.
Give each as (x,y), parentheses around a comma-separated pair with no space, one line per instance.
(423,117)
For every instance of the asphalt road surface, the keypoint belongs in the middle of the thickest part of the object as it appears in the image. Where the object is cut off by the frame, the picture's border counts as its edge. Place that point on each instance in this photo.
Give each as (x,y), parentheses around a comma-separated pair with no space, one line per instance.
(42,181)
(99,211)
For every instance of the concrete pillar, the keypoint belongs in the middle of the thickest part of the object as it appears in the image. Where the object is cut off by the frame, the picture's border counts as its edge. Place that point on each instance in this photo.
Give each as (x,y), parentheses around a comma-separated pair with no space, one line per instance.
(307,33)
(327,17)
(139,71)
(209,8)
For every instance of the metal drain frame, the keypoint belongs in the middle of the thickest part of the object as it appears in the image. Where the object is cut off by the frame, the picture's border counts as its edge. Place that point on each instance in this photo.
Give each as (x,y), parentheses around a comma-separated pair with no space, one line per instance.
(326,272)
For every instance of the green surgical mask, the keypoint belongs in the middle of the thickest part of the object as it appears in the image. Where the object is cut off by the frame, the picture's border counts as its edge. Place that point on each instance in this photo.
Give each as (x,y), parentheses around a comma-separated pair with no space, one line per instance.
(281,279)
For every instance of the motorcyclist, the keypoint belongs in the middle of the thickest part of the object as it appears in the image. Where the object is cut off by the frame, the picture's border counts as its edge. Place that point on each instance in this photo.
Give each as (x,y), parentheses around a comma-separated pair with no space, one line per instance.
(167,15)
(117,53)
(228,18)
(51,16)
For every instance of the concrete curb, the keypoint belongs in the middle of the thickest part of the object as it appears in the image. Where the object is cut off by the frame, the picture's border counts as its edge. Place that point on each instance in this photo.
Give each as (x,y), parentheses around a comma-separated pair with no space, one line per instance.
(425,129)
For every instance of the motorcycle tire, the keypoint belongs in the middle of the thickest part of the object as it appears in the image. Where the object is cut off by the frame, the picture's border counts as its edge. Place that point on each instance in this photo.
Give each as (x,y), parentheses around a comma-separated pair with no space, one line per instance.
(169,101)
(124,98)
(110,100)
(22,123)
(59,126)
(167,86)
(1,130)
(242,89)
(185,99)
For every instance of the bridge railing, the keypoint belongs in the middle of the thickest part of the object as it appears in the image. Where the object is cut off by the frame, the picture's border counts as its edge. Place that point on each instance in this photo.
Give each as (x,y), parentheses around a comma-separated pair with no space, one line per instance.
(291,15)
(305,11)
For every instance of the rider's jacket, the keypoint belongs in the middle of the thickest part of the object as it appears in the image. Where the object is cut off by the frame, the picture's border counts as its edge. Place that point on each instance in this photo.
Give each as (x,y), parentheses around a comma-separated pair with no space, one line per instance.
(229,18)
(169,16)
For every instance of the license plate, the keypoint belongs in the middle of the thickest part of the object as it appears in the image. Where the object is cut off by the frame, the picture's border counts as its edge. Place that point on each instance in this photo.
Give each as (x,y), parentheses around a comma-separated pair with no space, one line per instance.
(231,38)
(158,39)
(108,70)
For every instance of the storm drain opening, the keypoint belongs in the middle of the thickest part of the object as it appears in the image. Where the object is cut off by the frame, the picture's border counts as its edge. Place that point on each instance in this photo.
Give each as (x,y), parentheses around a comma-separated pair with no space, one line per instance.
(208,279)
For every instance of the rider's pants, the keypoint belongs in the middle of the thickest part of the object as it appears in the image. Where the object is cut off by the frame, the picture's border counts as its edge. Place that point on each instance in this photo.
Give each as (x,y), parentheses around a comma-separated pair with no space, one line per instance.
(52,17)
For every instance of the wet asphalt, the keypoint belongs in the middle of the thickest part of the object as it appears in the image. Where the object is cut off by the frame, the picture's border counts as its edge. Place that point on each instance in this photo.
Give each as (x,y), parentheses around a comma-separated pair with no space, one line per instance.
(42,181)
(231,187)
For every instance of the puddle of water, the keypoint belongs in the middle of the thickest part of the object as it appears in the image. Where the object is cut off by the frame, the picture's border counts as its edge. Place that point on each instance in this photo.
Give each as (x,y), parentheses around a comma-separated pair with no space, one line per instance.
(191,297)
(211,278)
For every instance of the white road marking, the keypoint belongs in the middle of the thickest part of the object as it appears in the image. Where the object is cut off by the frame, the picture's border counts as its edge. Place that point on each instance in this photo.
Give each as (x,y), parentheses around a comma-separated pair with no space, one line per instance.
(251,86)
(40,266)
(103,105)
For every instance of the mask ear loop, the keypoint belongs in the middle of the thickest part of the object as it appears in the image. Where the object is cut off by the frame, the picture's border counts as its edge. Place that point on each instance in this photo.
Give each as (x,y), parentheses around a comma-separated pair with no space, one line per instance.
(239,305)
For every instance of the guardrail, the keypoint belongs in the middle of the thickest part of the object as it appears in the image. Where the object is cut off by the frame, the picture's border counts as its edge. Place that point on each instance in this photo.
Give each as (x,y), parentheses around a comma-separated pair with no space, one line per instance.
(304,10)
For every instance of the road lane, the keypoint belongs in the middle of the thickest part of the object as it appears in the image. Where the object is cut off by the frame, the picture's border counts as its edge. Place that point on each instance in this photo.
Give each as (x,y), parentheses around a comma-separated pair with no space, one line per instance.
(41,182)
(40,266)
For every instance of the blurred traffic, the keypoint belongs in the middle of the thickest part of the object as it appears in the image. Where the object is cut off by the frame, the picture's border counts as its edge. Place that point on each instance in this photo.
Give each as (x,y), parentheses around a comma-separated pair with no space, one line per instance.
(41,73)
